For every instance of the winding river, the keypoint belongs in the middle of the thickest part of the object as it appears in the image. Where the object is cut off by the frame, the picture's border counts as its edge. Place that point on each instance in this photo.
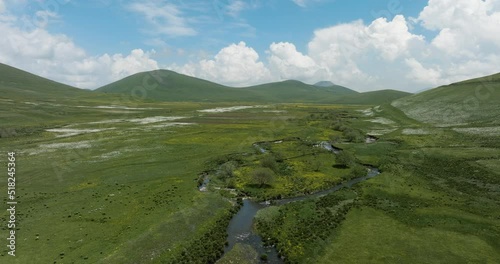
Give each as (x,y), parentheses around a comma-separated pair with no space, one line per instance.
(240,229)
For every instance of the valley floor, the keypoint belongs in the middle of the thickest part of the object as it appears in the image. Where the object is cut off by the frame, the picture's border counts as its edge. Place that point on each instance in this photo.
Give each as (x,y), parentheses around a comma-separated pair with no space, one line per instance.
(101,183)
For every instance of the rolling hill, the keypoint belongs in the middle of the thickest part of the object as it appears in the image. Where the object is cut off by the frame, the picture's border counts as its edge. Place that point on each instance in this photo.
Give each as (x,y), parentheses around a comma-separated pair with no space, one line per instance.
(471,101)
(16,83)
(296,91)
(164,85)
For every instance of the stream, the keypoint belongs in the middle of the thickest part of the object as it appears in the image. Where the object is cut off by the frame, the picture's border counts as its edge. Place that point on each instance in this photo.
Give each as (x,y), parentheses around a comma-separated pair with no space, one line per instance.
(240,229)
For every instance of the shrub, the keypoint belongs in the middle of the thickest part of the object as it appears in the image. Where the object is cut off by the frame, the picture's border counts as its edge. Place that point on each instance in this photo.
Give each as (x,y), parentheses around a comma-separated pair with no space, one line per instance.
(344,159)
(269,161)
(226,170)
(263,176)
(358,171)
(353,135)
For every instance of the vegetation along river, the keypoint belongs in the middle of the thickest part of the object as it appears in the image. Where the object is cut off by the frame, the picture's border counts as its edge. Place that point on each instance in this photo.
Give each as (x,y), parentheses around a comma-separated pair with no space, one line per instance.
(240,229)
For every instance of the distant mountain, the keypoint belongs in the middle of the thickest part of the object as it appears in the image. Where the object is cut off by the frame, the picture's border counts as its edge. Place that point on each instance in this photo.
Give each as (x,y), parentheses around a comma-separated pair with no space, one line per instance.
(16,83)
(296,91)
(167,85)
(164,85)
(324,84)
(471,101)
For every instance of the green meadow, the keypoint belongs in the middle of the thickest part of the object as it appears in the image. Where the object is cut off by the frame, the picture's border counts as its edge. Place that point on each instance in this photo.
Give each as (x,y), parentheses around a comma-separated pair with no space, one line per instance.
(113,177)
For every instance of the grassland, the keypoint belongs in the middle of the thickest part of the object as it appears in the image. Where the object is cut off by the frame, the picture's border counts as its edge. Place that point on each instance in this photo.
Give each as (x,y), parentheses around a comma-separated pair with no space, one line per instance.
(436,200)
(113,179)
(131,168)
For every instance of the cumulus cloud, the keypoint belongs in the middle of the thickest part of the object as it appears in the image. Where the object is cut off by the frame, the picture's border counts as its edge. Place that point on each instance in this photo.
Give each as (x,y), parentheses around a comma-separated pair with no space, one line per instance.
(468,39)
(236,64)
(380,54)
(466,27)
(56,56)
(422,75)
(285,60)
(383,54)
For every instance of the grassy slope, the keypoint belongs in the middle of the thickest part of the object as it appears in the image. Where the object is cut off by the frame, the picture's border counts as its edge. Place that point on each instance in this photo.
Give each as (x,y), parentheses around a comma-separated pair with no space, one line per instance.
(29,102)
(434,202)
(166,85)
(163,85)
(469,101)
(16,83)
(375,97)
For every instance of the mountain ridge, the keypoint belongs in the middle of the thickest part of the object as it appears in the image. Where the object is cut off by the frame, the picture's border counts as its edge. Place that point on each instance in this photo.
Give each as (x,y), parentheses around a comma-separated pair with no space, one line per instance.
(167,85)
(475,100)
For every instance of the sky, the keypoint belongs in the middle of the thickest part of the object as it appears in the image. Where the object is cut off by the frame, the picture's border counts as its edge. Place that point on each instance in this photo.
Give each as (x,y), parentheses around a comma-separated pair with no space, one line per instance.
(365,45)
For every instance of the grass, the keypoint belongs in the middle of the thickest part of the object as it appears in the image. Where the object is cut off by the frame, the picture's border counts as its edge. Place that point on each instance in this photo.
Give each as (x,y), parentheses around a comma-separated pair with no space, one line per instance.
(125,193)
(472,101)
(370,236)
(134,183)
(122,191)
(436,200)
(299,229)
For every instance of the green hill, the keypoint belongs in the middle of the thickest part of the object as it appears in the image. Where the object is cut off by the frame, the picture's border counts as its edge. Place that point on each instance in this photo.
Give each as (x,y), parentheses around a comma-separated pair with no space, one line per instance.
(375,97)
(296,91)
(19,84)
(164,85)
(470,101)
(31,103)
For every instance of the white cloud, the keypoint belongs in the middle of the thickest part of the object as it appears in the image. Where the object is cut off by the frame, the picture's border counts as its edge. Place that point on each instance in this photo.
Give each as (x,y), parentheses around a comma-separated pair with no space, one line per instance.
(466,27)
(43,17)
(163,19)
(286,61)
(236,64)
(379,54)
(383,54)
(2,6)
(235,7)
(352,53)
(392,38)
(56,56)
(422,75)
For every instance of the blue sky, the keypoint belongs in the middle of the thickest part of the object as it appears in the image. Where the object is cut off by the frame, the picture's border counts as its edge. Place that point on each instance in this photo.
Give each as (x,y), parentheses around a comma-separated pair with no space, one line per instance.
(366,45)
(107,26)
